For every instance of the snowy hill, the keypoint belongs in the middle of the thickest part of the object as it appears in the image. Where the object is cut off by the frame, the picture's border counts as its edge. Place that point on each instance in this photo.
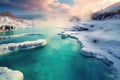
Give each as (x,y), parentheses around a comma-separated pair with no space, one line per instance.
(18,23)
(111,12)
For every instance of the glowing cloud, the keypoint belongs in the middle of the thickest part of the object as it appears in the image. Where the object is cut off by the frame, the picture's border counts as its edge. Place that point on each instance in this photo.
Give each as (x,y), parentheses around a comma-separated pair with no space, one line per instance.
(55,8)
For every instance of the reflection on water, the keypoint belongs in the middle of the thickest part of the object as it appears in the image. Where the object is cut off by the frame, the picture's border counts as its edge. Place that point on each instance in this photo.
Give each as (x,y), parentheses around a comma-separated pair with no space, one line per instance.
(7,33)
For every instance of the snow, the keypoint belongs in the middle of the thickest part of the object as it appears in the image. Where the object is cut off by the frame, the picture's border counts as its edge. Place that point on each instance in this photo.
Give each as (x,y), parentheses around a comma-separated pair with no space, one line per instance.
(113,8)
(101,41)
(111,12)
(8,74)
(19,23)
(5,48)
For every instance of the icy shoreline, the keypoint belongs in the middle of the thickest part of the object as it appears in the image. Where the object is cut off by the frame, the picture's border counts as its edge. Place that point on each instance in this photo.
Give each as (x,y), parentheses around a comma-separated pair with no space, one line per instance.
(100,41)
(8,74)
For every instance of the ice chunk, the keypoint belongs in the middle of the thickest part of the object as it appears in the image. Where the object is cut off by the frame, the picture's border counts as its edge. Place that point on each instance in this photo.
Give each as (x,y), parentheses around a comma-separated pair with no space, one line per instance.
(8,74)
(4,48)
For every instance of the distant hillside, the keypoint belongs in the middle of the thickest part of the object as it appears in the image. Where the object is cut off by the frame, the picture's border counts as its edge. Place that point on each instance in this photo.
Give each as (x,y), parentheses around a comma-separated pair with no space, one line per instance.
(6,13)
(111,12)
(15,22)
(8,19)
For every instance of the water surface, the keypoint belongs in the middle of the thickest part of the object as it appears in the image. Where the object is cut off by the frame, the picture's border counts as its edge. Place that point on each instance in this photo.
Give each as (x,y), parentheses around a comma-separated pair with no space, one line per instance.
(60,59)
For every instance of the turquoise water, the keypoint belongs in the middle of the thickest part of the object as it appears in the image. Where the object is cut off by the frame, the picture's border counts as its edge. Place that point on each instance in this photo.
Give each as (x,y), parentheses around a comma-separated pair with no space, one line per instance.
(60,59)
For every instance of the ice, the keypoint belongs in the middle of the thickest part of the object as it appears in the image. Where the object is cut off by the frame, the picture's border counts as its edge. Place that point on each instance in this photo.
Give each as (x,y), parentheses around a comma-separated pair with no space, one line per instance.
(8,74)
(101,41)
(5,48)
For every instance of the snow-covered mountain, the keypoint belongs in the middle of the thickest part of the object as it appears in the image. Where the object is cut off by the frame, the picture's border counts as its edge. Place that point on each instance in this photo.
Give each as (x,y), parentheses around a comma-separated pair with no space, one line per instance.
(111,12)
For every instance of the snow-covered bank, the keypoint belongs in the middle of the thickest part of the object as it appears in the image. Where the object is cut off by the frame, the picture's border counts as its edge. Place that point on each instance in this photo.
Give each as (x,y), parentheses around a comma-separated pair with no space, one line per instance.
(101,40)
(19,35)
(18,23)
(8,74)
(5,48)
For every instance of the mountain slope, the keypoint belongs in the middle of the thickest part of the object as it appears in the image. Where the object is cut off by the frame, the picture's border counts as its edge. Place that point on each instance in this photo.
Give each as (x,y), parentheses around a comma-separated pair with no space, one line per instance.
(111,12)
(6,13)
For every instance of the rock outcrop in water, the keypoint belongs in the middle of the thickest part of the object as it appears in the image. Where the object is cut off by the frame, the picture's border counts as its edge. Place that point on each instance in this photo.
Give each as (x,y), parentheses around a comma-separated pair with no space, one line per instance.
(7,28)
(10,22)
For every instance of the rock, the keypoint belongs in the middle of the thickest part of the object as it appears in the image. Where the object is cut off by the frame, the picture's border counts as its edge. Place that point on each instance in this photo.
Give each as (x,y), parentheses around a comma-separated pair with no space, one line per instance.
(107,62)
(7,27)
(82,29)
(95,41)
(110,12)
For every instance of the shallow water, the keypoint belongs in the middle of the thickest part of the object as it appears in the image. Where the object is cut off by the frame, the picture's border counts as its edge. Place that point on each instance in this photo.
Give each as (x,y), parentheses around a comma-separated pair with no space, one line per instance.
(60,59)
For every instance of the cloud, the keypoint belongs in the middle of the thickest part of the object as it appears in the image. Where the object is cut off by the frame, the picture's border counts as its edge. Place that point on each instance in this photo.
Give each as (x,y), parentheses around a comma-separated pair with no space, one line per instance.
(53,8)
(52,5)
(81,8)
(28,5)
(84,8)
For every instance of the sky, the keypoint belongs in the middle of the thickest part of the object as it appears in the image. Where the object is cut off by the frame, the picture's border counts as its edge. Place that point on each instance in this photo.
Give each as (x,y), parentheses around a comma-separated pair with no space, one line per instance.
(54,8)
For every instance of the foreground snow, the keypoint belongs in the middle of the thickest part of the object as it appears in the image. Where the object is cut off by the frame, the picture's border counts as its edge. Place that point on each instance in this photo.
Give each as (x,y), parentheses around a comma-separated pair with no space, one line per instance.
(101,40)
(8,74)
(5,48)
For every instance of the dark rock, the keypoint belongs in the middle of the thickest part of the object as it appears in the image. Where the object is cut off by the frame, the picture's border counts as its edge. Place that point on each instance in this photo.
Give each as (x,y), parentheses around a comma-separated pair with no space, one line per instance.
(103,16)
(92,26)
(107,62)
(82,29)
(95,41)
(7,27)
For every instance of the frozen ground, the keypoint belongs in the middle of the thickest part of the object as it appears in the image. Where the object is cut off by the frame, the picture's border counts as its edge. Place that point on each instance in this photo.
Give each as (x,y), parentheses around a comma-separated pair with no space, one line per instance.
(100,39)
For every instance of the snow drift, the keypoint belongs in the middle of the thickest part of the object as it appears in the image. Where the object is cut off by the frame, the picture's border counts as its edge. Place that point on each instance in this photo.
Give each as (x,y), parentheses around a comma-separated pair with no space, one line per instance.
(5,48)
